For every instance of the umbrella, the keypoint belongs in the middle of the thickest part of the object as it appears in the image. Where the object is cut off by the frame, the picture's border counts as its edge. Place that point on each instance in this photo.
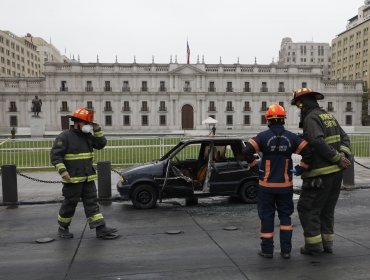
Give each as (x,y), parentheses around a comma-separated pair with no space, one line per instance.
(209,120)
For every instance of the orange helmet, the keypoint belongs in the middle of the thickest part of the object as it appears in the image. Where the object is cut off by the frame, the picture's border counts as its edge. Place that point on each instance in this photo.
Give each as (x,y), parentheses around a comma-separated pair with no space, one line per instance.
(83,114)
(275,111)
(305,91)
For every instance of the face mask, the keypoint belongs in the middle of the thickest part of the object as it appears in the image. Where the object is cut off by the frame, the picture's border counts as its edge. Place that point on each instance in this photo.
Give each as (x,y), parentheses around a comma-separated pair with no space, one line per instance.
(87,128)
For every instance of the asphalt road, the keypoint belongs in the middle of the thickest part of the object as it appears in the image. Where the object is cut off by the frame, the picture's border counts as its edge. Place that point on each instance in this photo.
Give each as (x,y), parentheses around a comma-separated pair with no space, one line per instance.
(203,249)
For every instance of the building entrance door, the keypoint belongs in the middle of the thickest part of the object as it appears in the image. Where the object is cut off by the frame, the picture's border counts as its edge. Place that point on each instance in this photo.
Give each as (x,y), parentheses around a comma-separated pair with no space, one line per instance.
(65,122)
(187,117)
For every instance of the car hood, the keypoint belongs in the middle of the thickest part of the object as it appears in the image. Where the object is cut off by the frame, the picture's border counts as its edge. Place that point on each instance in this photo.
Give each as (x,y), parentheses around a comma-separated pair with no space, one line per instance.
(150,168)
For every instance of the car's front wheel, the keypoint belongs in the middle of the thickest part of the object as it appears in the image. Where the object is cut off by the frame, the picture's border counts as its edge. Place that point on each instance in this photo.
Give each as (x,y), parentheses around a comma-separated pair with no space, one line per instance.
(248,192)
(144,196)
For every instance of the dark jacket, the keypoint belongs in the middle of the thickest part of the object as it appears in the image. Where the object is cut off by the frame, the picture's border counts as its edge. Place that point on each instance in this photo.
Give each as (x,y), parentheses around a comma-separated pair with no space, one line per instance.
(327,140)
(73,151)
(277,146)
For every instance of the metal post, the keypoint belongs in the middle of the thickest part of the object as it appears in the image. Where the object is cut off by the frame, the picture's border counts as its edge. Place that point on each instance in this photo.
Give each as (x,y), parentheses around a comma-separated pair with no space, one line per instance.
(9,183)
(104,179)
(349,173)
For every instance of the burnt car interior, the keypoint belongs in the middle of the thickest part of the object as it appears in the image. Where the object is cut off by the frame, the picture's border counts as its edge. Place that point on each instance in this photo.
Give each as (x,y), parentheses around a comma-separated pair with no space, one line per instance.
(194,160)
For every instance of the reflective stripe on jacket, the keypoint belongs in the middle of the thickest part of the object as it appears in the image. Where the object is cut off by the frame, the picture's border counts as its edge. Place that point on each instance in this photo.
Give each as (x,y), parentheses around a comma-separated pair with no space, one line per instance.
(327,139)
(73,151)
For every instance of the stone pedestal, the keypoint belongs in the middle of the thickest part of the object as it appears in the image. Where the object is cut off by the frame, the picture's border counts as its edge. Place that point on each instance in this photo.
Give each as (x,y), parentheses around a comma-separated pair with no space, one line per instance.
(37,126)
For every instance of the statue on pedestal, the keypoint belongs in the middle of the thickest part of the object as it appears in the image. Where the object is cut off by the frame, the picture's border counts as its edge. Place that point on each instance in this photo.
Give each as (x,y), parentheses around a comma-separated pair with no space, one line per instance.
(36,106)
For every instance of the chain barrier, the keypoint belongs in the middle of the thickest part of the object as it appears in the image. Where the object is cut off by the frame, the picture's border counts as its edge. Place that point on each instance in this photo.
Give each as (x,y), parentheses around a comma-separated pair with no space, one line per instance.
(51,181)
(362,165)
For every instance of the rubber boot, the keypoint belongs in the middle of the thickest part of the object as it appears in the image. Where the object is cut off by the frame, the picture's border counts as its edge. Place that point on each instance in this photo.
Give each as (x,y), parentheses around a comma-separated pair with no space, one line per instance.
(104,232)
(328,249)
(266,255)
(285,255)
(63,232)
(312,250)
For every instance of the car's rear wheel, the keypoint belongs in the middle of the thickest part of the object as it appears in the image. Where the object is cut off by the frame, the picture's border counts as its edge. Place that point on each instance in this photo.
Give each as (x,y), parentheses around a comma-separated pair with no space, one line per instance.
(248,192)
(144,196)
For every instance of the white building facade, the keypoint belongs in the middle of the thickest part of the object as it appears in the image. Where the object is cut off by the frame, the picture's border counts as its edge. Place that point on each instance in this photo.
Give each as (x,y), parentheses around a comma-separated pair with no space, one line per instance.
(168,97)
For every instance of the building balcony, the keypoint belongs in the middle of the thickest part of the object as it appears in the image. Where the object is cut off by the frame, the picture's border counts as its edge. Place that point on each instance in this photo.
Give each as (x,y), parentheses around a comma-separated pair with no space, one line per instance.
(264,89)
(126,109)
(64,109)
(211,109)
(211,89)
(229,109)
(247,89)
(107,88)
(281,89)
(330,109)
(12,109)
(144,88)
(349,109)
(263,109)
(108,109)
(229,89)
(187,89)
(144,109)
(89,89)
(90,108)
(162,89)
(63,88)
(162,109)
(246,109)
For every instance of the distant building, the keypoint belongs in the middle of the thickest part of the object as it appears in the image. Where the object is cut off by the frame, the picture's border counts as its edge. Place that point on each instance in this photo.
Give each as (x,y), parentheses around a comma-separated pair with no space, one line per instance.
(305,53)
(351,55)
(132,97)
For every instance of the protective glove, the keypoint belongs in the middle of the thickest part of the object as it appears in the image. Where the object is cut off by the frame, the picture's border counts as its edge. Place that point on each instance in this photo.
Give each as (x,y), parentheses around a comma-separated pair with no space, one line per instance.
(96,128)
(298,170)
(343,161)
(65,176)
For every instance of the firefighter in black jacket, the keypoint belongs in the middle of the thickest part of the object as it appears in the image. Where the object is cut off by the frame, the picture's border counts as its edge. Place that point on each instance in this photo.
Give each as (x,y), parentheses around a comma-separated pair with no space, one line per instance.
(72,155)
(322,181)
(275,179)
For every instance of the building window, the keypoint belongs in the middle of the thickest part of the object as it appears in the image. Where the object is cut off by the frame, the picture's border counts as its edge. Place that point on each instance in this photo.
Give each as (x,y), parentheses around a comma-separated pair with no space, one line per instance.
(108,106)
(348,120)
(281,87)
(125,86)
(90,105)
(162,120)
(126,106)
(263,120)
(212,106)
(212,116)
(144,106)
(144,86)
(64,107)
(247,120)
(89,86)
(13,106)
(211,87)
(108,120)
(281,103)
(144,120)
(229,106)
(304,84)
(263,106)
(247,87)
(229,120)
(162,106)
(330,107)
(63,86)
(162,86)
(264,87)
(247,106)
(349,107)
(107,86)
(13,121)
(187,87)
(229,87)
(126,120)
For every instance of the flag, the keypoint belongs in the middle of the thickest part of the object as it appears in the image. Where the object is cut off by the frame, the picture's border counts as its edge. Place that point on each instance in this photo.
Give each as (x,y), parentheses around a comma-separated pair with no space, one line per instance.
(188,52)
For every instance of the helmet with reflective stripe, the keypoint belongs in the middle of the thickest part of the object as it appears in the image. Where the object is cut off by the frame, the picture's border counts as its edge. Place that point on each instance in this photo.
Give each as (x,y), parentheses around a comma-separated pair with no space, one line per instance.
(275,111)
(83,114)
(305,92)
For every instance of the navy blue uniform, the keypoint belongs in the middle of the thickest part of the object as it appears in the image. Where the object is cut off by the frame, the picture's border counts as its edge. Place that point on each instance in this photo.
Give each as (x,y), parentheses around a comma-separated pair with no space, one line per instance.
(275,181)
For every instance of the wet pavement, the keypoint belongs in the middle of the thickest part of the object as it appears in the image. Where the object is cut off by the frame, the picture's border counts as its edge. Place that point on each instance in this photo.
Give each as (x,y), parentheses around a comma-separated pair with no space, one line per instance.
(202,250)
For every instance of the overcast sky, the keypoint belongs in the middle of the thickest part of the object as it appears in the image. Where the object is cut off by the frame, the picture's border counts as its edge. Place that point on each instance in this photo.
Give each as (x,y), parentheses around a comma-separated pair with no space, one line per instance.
(143,28)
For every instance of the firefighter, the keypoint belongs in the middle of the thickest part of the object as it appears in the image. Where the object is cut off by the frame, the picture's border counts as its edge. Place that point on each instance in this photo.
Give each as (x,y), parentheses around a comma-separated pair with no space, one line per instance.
(276,145)
(322,181)
(72,155)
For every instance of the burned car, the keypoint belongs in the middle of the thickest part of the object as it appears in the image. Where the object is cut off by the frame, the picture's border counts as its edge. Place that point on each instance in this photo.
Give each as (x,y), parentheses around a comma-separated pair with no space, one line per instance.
(203,167)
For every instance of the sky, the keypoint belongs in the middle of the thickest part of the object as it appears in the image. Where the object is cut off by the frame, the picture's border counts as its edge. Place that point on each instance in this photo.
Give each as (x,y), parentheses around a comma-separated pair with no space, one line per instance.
(226,29)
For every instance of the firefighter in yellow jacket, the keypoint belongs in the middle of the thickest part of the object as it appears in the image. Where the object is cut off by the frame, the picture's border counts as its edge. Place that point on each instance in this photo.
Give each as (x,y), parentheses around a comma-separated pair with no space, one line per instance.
(72,155)
(322,180)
